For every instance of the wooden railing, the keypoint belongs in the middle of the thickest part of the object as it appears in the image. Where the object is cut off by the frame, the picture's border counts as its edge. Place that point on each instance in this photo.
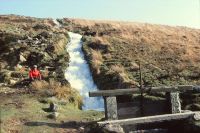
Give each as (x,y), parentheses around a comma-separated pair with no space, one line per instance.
(110,100)
(129,91)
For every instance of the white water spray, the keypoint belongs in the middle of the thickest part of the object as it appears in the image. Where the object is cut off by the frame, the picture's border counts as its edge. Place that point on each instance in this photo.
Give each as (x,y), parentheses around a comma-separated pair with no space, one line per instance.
(57,24)
(78,74)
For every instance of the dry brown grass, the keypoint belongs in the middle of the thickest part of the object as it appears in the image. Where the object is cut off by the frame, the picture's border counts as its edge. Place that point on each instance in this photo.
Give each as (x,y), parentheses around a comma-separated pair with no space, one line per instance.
(101,40)
(171,51)
(39,85)
(97,58)
(118,69)
(60,45)
(54,88)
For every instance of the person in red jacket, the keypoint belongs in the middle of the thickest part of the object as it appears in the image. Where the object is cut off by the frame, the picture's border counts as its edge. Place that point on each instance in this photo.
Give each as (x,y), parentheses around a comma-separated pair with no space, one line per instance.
(34,73)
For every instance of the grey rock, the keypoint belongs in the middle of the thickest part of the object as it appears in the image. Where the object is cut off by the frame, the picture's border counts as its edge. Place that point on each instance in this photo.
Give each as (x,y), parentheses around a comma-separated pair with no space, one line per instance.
(185,111)
(114,128)
(197,116)
(22,58)
(37,42)
(29,38)
(53,115)
(12,82)
(81,129)
(53,107)
(19,41)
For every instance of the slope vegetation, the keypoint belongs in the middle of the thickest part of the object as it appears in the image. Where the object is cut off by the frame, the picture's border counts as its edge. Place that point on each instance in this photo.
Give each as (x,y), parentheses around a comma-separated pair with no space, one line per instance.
(168,55)
(24,105)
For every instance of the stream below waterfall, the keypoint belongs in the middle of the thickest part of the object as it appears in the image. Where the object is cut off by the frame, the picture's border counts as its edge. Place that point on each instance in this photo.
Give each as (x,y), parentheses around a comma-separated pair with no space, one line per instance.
(79,76)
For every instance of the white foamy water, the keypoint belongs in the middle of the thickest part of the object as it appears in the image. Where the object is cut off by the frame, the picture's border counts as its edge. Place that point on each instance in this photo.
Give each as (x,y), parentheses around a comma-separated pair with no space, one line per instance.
(79,76)
(57,24)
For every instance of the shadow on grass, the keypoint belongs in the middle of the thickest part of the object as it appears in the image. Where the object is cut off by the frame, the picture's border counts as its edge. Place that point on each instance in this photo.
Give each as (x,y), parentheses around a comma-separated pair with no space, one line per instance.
(46,110)
(70,124)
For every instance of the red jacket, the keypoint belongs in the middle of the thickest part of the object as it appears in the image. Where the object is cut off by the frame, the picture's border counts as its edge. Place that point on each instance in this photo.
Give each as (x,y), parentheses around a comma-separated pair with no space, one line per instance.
(34,74)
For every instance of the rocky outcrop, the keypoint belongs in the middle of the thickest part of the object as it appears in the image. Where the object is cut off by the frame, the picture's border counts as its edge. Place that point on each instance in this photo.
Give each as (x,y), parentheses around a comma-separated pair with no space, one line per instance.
(26,41)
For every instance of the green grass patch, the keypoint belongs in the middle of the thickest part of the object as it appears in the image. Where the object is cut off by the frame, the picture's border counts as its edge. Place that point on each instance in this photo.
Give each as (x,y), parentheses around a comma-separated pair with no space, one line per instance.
(25,113)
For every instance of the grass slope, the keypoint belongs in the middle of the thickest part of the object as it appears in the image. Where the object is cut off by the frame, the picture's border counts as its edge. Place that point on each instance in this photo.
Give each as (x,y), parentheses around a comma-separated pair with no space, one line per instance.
(22,113)
(168,55)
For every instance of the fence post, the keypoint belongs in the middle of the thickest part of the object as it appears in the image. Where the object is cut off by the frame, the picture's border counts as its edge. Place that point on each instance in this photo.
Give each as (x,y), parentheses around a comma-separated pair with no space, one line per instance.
(110,104)
(175,102)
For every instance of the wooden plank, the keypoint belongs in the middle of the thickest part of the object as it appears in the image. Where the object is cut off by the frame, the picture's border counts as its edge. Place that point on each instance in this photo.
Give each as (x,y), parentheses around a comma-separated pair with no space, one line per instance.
(113,92)
(151,119)
(129,91)
(180,88)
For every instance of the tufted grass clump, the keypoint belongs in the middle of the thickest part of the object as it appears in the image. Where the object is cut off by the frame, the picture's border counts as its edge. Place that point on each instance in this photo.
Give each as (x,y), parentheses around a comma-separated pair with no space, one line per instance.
(54,88)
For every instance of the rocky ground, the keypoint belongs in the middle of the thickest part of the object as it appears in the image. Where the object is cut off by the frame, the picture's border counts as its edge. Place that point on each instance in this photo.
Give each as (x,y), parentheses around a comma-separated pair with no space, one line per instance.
(26,41)
(24,106)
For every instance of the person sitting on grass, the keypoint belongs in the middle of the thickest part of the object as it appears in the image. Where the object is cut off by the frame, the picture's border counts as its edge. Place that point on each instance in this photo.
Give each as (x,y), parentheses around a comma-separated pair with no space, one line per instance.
(34,74)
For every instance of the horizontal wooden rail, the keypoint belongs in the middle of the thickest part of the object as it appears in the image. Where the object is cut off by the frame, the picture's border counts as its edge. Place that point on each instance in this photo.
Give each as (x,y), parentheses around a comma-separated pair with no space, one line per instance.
(151,119)
(129,91)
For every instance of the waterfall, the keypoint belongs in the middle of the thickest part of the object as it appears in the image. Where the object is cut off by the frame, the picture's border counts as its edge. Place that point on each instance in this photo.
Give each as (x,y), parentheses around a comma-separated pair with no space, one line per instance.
(79,76)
